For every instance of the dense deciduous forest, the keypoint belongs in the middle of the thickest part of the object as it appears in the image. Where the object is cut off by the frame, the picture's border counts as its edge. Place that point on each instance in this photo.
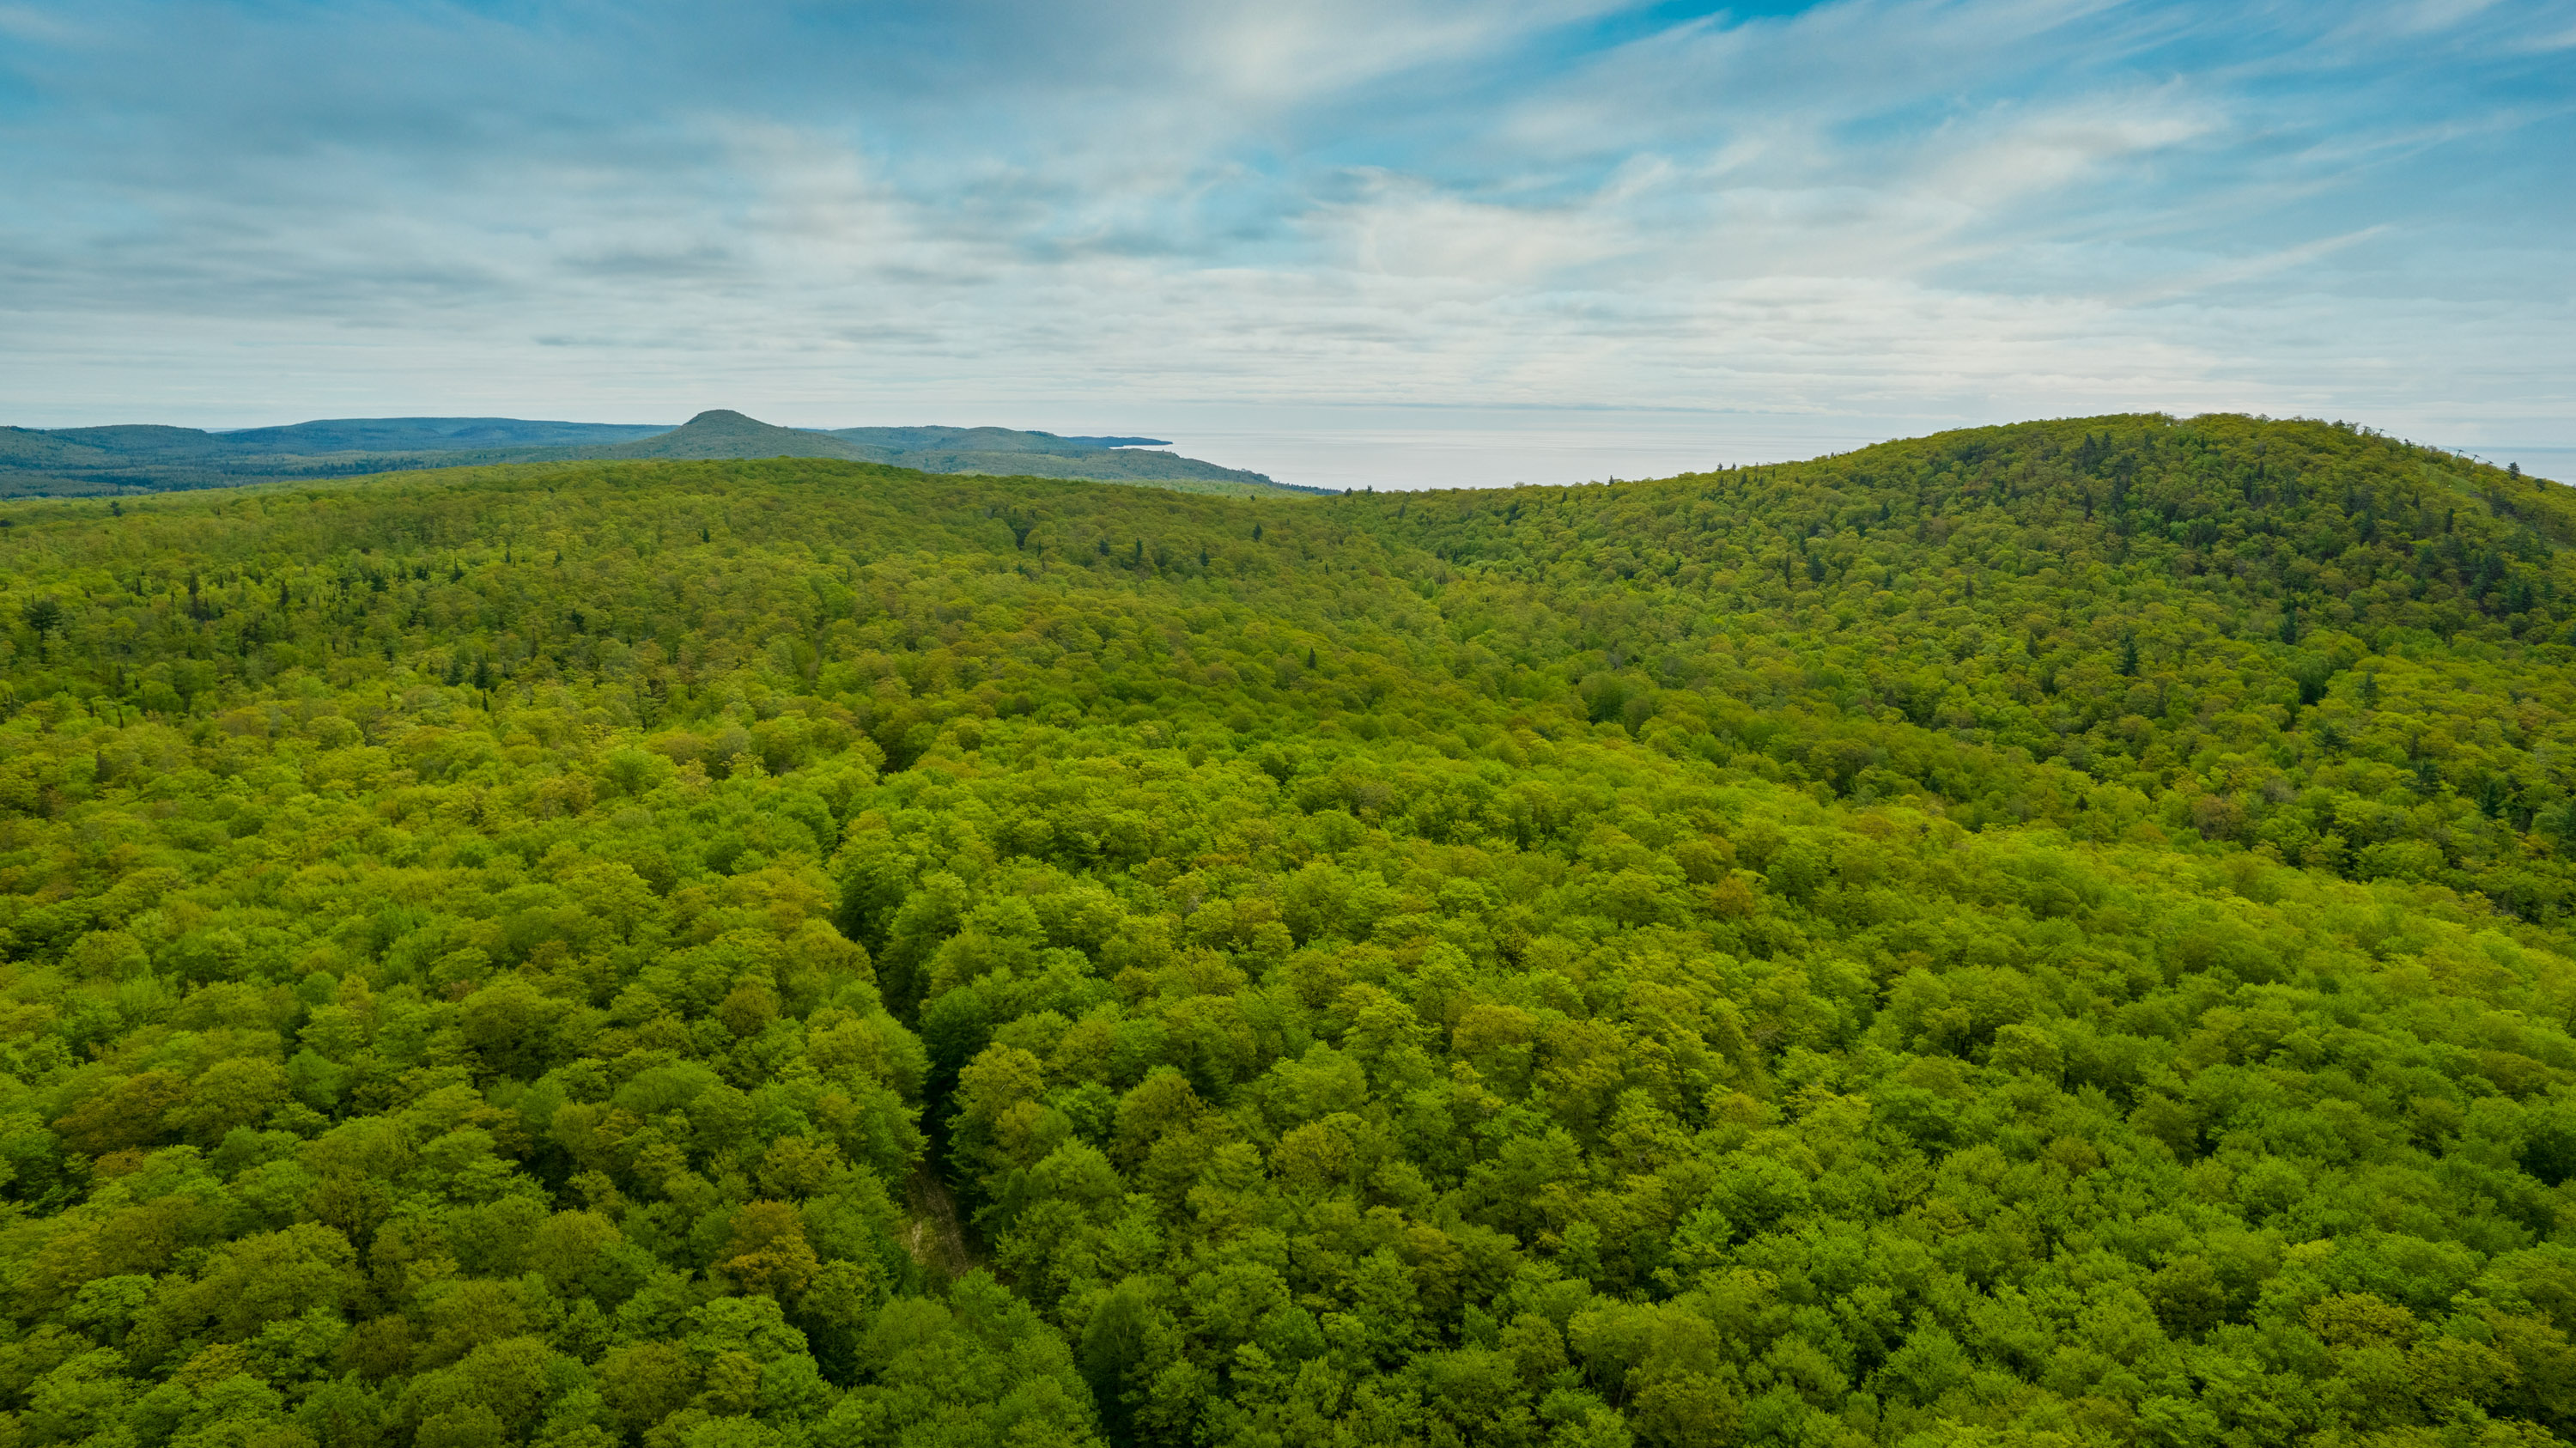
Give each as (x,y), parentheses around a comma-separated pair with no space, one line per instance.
(2049,935)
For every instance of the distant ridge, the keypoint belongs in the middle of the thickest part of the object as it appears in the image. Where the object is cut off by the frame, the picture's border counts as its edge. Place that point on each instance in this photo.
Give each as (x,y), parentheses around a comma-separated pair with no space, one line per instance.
(723,433)
(983,440)
(990,451)
(411,434)
(78,461)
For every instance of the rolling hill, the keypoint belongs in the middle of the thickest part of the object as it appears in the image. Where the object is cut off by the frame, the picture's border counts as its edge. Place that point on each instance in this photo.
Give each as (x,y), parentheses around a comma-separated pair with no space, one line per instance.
(723,434)
(2057,935)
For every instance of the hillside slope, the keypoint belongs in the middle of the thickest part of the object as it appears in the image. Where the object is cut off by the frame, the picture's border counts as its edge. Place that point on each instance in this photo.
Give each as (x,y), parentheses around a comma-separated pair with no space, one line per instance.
(2047,935)
(2290,635)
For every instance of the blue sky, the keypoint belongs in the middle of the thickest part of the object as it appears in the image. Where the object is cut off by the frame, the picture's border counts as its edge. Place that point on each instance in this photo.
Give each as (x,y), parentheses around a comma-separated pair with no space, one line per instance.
(1396,242)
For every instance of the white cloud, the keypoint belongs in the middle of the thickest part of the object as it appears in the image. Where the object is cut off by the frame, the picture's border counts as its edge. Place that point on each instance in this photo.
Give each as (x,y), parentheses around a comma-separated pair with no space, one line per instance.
(1916,209)
(1276,53)
(27,23)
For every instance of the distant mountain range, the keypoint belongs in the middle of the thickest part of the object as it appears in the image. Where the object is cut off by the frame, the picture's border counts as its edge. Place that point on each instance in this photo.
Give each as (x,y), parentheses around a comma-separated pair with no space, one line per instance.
(74,461)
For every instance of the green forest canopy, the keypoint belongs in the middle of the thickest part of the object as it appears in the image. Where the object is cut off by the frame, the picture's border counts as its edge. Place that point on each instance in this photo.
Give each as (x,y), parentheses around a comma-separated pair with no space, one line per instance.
(2046,935)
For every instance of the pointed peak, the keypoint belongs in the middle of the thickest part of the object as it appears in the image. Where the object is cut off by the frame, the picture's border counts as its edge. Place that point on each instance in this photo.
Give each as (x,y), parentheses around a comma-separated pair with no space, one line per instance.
(721,432)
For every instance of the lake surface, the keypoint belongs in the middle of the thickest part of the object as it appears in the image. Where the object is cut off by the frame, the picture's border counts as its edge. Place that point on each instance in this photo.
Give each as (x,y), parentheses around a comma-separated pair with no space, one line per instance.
(1406,448)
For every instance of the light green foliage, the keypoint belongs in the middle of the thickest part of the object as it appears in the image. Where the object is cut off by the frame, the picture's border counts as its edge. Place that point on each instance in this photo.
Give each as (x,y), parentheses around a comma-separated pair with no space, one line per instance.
(2047,936)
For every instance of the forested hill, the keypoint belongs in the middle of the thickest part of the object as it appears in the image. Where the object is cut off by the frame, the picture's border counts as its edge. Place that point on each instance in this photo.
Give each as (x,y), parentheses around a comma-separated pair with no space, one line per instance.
(109,461)
(2049,935)
(2351,650)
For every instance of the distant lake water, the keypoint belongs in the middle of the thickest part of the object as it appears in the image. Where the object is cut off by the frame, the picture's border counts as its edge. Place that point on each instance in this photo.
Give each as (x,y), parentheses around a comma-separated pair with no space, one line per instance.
(1498,452)
(1503,448)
